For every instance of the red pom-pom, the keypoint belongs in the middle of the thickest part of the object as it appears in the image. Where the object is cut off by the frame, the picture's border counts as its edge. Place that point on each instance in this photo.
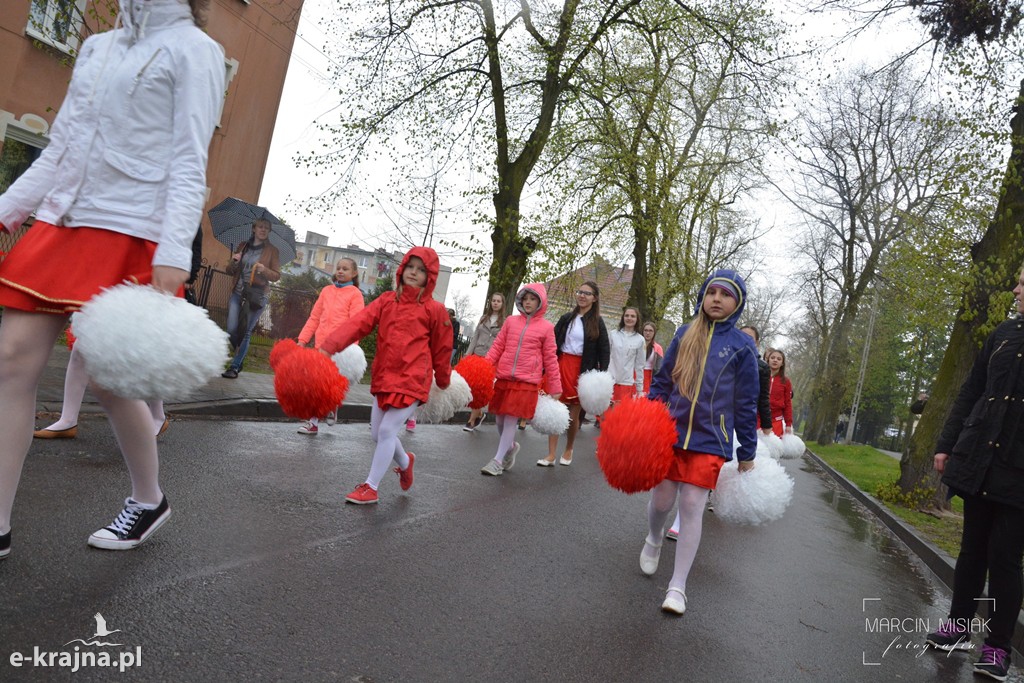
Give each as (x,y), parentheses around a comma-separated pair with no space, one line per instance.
(70,338)
(635,445)
(307,384)
(479,375)
(280,350)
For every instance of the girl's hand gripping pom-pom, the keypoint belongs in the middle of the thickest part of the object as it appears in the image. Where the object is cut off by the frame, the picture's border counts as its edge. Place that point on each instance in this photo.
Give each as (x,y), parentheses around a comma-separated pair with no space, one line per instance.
(754,497)
(635,445)
(551,417)
(138,342)
(596,388)
(307,384)
(444,403)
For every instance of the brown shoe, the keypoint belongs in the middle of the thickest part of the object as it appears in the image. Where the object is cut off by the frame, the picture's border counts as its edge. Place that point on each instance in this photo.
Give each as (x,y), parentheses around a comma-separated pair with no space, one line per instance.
(69,433)
(164,427)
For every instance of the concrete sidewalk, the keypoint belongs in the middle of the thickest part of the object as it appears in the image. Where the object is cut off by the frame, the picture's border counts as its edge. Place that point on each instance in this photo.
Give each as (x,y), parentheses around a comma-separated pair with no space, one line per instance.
(251,395)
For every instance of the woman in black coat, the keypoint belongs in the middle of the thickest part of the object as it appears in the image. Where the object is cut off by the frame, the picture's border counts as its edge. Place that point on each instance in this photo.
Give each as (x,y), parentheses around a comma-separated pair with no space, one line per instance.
(981,457)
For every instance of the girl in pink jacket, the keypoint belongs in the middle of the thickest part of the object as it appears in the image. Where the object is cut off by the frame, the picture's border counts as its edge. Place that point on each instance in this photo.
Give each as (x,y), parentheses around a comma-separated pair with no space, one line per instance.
(338,301)
(522,352)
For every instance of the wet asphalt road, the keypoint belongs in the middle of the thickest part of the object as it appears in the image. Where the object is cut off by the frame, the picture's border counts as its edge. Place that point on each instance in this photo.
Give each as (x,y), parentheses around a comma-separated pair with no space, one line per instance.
(263,573)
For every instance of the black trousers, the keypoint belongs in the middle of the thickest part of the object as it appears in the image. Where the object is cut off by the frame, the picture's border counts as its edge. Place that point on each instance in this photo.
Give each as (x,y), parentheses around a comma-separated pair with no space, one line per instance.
(992,544)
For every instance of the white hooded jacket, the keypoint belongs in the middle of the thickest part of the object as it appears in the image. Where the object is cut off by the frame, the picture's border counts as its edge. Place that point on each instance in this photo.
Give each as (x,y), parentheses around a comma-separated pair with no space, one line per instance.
(128,149)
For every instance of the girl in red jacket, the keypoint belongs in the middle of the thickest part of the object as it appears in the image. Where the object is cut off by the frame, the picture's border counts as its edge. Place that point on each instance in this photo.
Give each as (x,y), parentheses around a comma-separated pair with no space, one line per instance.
(781,394)
(337,302)
(414,344)
(522,352)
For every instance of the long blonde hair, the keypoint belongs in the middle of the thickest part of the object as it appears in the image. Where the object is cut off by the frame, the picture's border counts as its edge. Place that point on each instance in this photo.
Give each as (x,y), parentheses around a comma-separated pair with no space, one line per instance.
(691,356)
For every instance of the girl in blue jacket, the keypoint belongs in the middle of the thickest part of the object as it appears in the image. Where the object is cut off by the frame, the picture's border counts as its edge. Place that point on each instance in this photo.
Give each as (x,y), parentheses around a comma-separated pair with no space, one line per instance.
(709,381)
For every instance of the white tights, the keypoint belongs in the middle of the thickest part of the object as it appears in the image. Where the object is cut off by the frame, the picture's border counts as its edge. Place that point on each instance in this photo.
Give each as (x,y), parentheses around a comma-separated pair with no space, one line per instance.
(26,340)
(507,426)
(691,519)
(384,426)
(75,382)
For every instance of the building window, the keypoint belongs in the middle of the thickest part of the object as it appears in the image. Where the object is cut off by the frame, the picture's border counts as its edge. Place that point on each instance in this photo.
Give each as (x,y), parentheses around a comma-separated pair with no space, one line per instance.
(56,22)
(23,142)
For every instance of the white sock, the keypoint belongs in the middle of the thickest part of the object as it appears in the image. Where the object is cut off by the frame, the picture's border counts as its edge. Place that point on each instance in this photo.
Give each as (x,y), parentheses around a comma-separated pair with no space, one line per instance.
(691,516)
(75,382)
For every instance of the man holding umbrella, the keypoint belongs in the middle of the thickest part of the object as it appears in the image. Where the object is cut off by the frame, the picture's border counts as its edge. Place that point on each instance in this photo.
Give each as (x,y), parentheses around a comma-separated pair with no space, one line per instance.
(254,266)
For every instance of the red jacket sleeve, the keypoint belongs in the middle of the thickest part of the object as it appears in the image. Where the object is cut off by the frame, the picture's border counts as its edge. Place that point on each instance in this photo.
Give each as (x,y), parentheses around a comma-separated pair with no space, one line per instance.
(441,341)
(356,328)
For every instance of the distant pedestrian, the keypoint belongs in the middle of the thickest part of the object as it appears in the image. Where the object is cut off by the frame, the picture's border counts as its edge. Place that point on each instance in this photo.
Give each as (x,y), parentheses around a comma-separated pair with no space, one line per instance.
(654,354)
(337,303)
(414,345)
(522,353)
(253,267)
(980,455)
(709,382)
(486,331)
(582,345)
(781,393)
(456,328)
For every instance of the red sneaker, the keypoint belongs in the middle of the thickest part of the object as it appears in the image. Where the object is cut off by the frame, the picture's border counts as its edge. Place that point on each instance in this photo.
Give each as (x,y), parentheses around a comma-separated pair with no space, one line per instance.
(362,495)
(405,476)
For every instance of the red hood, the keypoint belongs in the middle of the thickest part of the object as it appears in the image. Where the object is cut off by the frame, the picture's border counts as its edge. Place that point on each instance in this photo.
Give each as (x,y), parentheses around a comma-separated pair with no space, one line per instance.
(430,260)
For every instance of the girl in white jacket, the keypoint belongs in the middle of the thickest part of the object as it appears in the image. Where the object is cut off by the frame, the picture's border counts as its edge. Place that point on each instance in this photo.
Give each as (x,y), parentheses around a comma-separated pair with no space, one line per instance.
(628,354)
(117,195)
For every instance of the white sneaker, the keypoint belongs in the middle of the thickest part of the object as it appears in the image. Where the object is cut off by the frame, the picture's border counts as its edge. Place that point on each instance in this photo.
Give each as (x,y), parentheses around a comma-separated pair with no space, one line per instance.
(492,468)
(332,417)
(649,564)
(510,458)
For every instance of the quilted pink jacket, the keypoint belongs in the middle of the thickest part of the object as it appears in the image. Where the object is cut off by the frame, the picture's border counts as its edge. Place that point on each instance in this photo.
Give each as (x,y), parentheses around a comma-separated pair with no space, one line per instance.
(524,349)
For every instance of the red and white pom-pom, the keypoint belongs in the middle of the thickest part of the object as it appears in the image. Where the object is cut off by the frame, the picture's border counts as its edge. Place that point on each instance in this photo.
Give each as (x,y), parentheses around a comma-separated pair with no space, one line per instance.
(351,362)
(281,349)
(596,387)
(139,342)
(307,384)
(635,445)
(792,446)
(754,497)
(479,374)
(773,443)
(551,417)
(442,404)
(69,338)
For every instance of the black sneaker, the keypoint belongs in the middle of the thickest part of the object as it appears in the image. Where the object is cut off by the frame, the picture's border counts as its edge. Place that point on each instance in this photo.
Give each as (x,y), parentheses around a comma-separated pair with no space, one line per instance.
(994,663)
(230,373)
(949,638)
(133,526)
(5,545)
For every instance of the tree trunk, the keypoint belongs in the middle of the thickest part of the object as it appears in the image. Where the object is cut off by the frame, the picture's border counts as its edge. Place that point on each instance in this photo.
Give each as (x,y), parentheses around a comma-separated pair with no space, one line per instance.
(996,260)
(829,389)
(511,252)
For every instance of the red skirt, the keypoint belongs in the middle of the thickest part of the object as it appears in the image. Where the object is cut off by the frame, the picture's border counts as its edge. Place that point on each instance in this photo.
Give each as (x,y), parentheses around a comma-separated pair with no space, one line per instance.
(620,392)
(569,372)
(393,399)
(518,399)
(699,469)
(55,270)
(648,376)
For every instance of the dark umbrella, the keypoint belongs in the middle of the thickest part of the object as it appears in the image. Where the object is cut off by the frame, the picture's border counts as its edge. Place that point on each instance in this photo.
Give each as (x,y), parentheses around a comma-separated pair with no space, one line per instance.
(232,221)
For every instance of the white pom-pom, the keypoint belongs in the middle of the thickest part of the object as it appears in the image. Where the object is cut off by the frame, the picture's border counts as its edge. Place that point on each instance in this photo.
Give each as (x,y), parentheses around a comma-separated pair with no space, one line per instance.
(444,403)
(551,417)
(764,448)
(774,444)
(596,387)
(351,362)
(754,497)
(138,342)
(792,446)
